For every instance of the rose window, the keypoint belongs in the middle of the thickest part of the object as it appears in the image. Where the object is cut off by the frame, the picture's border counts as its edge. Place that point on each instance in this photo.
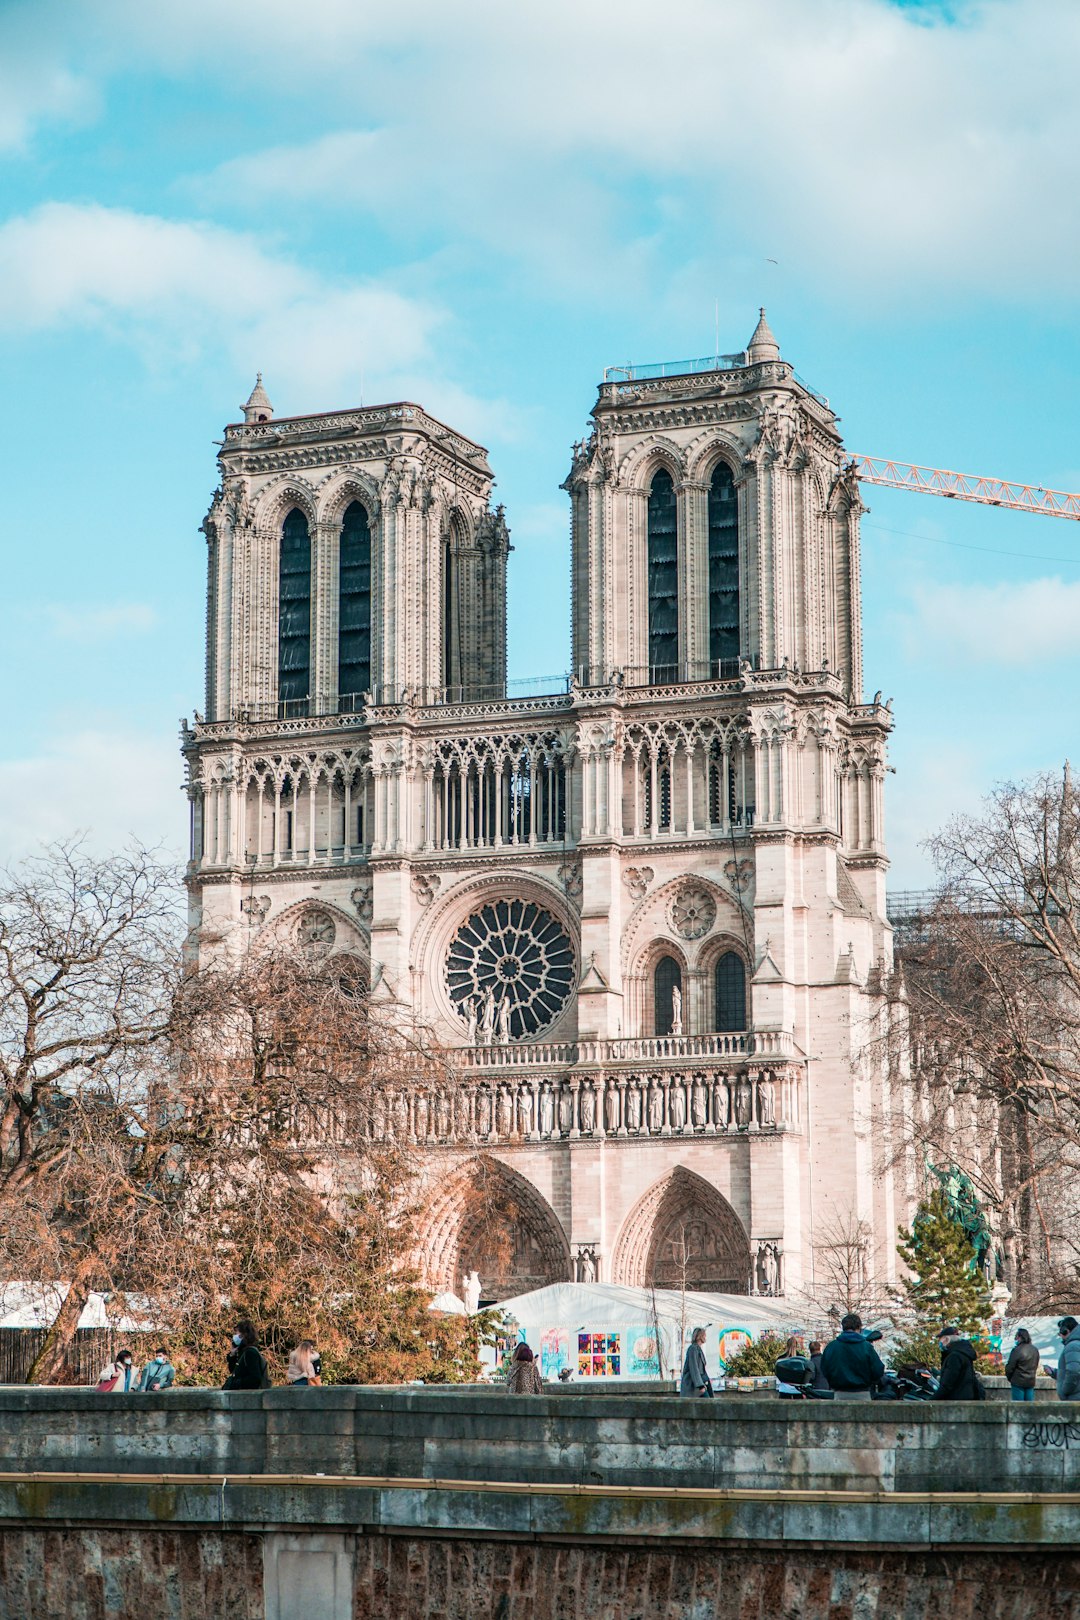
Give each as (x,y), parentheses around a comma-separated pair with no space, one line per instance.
(510,970)
(693,911)
(315,934)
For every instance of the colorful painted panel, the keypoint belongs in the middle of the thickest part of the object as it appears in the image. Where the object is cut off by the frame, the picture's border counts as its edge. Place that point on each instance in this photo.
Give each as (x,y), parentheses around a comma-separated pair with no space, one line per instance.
(554,1351)
(731,1341)
(599,1355)
(643,1357)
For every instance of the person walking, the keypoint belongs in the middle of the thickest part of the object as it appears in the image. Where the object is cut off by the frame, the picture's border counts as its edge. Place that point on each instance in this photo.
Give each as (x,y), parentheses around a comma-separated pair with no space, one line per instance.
(247,1366)
(158,1373)
(305,1364)
(524,1375)
(850,1363)
(118,1375)
(958,1380)
(818,1380)
(1022,1365)
(1068,1367)
(695,1378)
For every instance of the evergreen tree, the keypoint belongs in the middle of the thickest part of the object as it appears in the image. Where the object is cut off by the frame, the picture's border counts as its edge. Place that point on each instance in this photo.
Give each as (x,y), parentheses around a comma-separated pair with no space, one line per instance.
(947,1285)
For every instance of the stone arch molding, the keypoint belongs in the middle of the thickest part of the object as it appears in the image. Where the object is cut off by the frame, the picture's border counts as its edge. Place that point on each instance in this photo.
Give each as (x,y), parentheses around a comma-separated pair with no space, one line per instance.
(488,1218)
(350,937)
(278,499)
(339,494)
(716,444)
(683,1233)
(637,467)
(649,924)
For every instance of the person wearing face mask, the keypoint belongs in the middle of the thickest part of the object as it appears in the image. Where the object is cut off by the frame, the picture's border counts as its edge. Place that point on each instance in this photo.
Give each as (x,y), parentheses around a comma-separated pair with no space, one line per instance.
(118,1375)
(247,1366)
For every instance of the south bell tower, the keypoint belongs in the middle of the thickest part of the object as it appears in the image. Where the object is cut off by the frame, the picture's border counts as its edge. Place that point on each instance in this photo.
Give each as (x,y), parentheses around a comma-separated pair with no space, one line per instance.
(646,911)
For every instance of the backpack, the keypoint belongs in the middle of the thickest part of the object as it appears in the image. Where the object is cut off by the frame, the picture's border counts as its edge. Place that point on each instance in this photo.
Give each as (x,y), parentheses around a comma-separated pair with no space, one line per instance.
(264,1372)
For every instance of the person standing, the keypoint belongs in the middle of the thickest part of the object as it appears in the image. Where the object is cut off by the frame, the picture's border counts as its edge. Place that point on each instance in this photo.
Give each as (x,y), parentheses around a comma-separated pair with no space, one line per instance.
(792,1370)
(305,1364)
(158,1373)
(695,1378)
(247,1367)
(524,1375)
(1068,1368)
(850,1363)
(958,1380)
(1022,1365)
(818,1379)
(118,1375)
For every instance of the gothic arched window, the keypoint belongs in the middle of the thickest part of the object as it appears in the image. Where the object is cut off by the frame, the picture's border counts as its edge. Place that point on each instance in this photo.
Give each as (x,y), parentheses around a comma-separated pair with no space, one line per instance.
(354,602)
(666,979)
(730,987)
(723,566)
(663,566)
(294,610)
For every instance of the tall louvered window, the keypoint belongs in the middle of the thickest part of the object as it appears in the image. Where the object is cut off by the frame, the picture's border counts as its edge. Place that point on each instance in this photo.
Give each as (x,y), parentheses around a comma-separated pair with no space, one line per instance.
(723,566)
(294,610)
(354,603)
(663,559)
(666,979)
(730,986)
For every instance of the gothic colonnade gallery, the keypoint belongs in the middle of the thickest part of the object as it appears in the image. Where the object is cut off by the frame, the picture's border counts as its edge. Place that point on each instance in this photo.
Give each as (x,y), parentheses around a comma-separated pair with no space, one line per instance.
(644,911)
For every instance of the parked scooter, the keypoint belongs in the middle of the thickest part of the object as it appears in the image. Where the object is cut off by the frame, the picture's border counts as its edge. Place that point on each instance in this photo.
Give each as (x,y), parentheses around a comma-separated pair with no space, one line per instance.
(906,1384)
(796,1372)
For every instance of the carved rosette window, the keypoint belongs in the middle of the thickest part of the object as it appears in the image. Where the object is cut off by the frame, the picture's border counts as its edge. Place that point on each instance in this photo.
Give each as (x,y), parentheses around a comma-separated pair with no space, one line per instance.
(693,911)
(514,952)
(315,934)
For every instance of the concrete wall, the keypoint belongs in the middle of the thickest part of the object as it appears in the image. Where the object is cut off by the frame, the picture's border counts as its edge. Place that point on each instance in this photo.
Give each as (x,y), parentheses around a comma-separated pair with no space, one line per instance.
(340,1503)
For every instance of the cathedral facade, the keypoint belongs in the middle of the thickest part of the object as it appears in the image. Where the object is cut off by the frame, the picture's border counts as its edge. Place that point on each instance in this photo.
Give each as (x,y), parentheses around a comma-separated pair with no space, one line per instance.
(646,912)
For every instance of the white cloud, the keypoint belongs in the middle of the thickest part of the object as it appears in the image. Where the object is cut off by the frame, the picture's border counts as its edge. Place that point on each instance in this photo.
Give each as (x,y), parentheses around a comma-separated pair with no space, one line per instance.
(73,622)
(111,784)
(178,289)
(1020,624)
(36,85)
(865,141)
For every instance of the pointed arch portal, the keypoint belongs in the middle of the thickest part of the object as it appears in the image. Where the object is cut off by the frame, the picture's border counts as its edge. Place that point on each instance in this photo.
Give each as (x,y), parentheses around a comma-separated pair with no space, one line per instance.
(488,1218)
(683,1234)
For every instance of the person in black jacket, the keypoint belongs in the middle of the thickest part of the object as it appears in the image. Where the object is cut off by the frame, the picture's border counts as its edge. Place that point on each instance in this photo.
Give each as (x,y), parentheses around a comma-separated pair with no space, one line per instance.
(247,1369)
(850,1363)
(819,1380)
(957,1381)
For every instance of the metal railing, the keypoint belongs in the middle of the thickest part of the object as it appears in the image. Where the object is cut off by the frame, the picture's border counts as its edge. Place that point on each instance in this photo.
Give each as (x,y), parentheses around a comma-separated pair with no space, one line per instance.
(676,368)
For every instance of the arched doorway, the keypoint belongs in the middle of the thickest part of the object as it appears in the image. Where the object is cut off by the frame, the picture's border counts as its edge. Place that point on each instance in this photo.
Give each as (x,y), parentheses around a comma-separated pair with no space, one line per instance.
(488,1218)
(683,1234)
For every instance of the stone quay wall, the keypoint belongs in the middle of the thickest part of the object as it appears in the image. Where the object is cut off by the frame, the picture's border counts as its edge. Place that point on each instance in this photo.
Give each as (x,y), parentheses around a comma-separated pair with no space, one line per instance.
(338,1503)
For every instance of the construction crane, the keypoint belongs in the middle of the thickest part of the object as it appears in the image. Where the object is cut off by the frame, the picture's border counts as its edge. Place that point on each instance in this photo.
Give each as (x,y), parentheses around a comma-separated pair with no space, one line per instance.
(956,486)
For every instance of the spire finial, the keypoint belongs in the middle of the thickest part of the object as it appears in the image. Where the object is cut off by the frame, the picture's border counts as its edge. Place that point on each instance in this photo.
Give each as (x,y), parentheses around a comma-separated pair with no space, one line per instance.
(762,346)
(258,407)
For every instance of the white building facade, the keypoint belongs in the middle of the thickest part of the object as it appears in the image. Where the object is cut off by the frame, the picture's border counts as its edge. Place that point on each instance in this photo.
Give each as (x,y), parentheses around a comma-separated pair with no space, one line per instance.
(647,912)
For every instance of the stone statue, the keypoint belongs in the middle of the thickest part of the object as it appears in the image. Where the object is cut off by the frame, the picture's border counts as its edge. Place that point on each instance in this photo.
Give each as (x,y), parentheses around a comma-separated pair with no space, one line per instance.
(586,1266)
(547,1111)
(472,1292)
(401,1116)
(611,1108)
(483,1111)
(504,1020)
(719,1104)
(420,1116)
(676,1010)
(772,1269)
(504,1112)
(744,1098)
(473,1019)
(766,1115)
(587,1110)
(633,1108)
(442,1116)
(566,1110)
(463,1112)
(677,1106)
(697,1103)
(525,1110)
(656,1107)
(488,1023)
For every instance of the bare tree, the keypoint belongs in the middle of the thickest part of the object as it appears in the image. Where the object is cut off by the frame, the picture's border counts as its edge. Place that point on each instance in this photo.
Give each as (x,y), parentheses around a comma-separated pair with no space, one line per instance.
(990,982)
(844,1277)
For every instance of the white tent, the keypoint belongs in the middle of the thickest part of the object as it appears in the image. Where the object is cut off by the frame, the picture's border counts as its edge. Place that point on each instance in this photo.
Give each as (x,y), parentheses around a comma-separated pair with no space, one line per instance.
(601,1330)
(35,1305)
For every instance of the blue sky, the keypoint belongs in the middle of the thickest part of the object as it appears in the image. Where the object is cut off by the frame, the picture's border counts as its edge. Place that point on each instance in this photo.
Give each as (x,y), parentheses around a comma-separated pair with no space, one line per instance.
(480,207)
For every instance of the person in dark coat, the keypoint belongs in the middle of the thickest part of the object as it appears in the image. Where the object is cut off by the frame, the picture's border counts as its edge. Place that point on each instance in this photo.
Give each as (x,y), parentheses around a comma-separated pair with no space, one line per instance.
(851,1365)
(957,1380)
(1022,1365)
(818,1379)
(695,1378)
(247,1369)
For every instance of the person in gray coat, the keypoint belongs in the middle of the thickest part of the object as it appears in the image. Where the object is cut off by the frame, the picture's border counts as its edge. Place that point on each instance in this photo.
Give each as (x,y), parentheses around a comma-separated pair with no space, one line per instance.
(695,1378)
(1021,1367)
(1068,1369)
